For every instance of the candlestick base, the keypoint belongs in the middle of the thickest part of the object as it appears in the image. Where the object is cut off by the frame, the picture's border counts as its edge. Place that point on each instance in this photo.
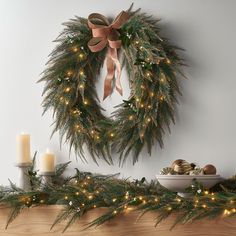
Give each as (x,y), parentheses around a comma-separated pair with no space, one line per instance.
(46,177)
(24,181)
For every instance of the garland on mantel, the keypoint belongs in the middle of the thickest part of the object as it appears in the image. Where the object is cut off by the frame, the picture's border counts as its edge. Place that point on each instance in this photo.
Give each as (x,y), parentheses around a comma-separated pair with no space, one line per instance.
(85,191)
(153,67)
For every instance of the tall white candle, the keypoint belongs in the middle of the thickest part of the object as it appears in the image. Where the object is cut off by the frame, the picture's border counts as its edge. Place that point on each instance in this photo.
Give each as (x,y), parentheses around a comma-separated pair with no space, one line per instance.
(23,148)
(47,162)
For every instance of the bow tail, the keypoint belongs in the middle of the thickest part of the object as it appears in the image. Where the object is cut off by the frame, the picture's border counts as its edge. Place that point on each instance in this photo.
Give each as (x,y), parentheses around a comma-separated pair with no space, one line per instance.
(112,65)
(114,56)
(109,77)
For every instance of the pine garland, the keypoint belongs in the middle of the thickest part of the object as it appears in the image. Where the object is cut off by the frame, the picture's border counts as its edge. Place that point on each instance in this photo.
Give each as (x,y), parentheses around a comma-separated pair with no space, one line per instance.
(153,68)
(85,191)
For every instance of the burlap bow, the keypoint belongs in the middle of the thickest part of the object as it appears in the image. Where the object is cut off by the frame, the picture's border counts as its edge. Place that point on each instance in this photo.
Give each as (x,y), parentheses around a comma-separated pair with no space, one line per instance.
(106,34)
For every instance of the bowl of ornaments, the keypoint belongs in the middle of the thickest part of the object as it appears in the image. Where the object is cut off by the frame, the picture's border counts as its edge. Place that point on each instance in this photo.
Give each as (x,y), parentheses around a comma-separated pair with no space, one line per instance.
(180,175)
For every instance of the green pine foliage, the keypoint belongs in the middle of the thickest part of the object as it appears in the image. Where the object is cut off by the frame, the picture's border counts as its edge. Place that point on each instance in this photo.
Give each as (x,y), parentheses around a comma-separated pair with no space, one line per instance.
(85,191)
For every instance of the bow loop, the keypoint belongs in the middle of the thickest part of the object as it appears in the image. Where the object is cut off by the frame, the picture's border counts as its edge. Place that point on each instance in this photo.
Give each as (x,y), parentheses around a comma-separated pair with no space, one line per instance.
(107,34)
(96,44)
(121,19)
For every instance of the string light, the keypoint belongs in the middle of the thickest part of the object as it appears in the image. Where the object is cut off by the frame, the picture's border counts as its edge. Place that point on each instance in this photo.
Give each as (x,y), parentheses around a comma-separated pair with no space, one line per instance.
(69,73)
(213,199)
(76,111)
(66,102)
(66,197)
(78,129)
(140,198)
(137,42)
(131,117)
(114,199)
(77,193)
(112,135)
(149,106)
(204,206)
(75,49)
(114,212)
(178,200)
(97,137)
(85,102)
(168,61)
(81,86)
(67,89)
(141,48)
(94,206)
(162,80)
(141,105)
(90,197)
(162,98)
(226,212)
(81,72)
(151,94)
(81,55)
(169,208)
(137,99)
(148,74)
(148,120)
(156,199)
(206,192)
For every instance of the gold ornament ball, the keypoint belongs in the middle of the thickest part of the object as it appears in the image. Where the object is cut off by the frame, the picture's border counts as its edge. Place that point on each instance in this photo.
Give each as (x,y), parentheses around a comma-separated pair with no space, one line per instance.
(209,170)
(181,166)
(167,171)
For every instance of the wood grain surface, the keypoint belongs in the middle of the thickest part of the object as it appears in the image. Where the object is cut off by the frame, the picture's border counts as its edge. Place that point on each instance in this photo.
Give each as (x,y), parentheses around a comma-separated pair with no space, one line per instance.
(38,220)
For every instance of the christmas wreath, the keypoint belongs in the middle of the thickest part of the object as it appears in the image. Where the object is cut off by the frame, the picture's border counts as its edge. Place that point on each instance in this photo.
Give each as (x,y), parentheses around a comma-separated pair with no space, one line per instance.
(133,41)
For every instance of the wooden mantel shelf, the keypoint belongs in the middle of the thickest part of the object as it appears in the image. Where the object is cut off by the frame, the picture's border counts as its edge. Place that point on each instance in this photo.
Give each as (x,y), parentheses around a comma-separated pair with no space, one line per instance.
(38,220)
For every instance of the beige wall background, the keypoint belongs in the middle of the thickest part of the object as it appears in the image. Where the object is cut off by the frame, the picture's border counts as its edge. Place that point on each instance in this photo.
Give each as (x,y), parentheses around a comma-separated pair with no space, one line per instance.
(205,128)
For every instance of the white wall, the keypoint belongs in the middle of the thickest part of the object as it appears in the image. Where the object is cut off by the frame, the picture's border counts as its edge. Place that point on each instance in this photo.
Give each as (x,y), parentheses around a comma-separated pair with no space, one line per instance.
(205,129)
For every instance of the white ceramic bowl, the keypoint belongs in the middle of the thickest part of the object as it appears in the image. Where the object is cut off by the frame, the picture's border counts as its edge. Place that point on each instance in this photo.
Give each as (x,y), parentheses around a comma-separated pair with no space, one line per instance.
(179,183)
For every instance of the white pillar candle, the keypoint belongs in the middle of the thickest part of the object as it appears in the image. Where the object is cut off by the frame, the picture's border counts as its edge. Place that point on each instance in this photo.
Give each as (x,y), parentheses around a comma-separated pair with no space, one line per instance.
(23,148)
(47,162)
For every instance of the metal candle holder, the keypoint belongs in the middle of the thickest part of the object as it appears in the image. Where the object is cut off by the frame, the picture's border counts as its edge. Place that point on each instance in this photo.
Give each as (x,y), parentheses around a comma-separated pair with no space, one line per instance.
(47,177)
(24,181)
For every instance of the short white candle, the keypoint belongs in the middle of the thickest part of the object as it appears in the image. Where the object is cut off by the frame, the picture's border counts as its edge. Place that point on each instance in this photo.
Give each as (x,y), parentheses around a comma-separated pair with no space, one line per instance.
(23,148)
(47,162)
